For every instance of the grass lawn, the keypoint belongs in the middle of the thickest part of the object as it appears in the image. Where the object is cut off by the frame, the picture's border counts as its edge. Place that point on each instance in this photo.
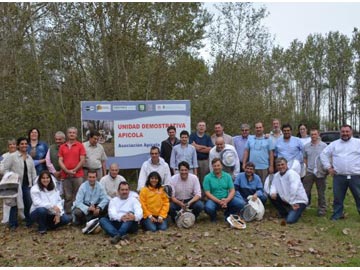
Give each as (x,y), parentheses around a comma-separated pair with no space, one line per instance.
(313,241)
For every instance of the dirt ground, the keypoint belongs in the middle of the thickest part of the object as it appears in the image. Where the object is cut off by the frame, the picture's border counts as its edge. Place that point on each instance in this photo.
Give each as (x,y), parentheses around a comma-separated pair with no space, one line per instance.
(313,241)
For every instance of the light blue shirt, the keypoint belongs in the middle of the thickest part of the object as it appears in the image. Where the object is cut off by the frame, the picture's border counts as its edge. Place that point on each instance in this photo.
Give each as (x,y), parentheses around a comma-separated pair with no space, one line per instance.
(87,196)
(187,153)
(259,148)
(239,144)
(290,150)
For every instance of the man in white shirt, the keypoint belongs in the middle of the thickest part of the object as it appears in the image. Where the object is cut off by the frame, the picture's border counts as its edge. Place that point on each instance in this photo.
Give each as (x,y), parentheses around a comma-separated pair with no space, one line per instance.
(154,163)
(228,156)
(125,212)
(111,181)
(287,193)
(342,160)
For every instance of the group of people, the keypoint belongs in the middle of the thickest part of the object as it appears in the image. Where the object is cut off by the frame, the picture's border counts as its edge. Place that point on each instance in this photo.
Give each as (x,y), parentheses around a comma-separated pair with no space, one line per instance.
(67,182)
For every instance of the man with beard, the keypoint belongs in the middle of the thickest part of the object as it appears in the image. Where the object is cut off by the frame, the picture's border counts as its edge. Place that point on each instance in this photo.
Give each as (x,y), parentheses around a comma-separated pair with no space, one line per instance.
(291,148)
(342,160)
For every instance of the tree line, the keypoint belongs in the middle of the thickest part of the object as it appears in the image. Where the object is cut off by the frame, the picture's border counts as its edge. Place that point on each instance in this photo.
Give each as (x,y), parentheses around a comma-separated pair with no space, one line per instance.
(55,55)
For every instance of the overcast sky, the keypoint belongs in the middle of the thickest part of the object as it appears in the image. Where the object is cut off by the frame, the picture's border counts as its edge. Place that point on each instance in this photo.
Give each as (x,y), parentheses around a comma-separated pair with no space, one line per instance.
(288,21)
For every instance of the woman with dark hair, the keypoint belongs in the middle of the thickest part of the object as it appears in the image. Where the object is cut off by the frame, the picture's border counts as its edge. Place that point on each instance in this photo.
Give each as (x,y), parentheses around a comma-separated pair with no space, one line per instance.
(22,164)
(47,209)
(303,134)
(37,150)
(155,204)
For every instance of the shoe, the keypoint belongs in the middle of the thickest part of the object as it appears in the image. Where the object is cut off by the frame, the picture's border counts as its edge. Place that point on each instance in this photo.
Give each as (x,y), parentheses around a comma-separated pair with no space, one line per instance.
(114,240)
(91,226)
(42,232)
(236,222)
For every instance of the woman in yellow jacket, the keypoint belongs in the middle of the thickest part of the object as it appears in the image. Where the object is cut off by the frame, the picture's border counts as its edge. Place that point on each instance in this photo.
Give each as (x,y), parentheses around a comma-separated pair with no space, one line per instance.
(155,204)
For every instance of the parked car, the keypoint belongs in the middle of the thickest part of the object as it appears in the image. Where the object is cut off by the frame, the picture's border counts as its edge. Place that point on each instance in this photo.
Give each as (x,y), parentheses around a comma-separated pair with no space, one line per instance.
(330,136)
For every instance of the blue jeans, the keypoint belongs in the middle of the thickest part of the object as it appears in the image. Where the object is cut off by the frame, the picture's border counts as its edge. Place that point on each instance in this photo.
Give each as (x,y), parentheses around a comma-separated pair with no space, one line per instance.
(45,220)
(233,207)
(113,227)
(340,186)
(13,217)
(154,226)
(285,210)
(196,208)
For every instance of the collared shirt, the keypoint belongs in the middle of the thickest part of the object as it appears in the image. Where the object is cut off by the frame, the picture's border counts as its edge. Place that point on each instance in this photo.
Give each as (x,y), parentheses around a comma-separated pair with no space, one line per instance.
(218,187)
(227,138)
(290,149)
(345,156)
(204,140)
(311,152)
(95,155)
(88,195)
(119,207)
(71,157)
(111,185)
(239,144)
(273,137)
(289,187)
(147,167)
(259,149)
(183,153)
(185,189)
(247,188)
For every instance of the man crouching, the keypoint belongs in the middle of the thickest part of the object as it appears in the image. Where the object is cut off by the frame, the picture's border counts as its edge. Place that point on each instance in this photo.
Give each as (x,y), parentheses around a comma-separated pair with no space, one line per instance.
(124,214)
(287,193)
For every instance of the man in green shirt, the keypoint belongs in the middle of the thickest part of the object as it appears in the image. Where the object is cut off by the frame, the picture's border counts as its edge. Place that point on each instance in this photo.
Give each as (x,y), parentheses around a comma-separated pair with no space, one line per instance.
(220,191)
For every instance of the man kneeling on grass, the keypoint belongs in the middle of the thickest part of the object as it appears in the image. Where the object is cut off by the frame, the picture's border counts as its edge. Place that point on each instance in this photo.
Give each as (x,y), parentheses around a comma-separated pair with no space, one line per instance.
(287,193)
(220,191)
(124,214)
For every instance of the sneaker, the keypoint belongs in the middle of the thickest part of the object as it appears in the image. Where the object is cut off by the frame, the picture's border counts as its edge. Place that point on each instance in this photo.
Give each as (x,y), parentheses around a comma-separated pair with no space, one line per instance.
(91,226)
(42,232)
(236,222)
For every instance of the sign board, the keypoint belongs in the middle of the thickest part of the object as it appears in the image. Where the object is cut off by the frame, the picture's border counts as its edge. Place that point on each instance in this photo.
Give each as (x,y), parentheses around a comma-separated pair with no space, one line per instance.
(128,129)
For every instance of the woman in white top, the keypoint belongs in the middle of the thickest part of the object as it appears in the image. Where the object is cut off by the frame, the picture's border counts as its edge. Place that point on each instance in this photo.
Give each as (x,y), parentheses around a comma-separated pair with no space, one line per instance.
(6,208)
(47,209)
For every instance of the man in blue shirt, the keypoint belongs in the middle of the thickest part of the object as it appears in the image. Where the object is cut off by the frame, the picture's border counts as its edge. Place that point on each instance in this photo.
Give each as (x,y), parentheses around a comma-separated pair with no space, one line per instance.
(240,143)
(184,152)
(203,144)
(248,183)
(289,147)
(260,151)
(91,200)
